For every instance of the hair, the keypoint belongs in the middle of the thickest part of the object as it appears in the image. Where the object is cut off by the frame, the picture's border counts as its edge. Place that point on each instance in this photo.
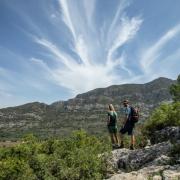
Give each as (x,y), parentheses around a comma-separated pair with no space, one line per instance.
(126,101)
(111,107)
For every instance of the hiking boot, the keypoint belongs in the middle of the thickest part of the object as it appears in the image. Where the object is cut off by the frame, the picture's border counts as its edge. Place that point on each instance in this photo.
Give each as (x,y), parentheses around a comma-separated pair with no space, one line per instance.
(131,147)
(115,146)
(121,146)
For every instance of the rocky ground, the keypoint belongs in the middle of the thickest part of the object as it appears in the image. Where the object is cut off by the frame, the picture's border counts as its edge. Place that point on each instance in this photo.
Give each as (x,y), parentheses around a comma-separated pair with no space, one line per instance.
(156,162)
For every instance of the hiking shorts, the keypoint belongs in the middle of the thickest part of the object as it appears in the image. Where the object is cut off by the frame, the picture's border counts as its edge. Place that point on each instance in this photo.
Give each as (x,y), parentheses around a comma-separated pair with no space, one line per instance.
(128,128)
(112,129)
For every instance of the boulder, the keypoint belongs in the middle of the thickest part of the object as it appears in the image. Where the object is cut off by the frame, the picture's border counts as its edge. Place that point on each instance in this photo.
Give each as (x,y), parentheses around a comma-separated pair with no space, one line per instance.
(173,173)
(160,161)
(151,172)
(168,133)
(127,160)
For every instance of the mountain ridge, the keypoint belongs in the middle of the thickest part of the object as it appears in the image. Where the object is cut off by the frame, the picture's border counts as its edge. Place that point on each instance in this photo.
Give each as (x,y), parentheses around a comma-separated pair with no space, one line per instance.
(87,110)
(111,86)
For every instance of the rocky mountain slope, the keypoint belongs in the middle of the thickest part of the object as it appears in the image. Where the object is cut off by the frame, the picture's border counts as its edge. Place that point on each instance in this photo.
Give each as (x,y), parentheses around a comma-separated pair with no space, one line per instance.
(87,111)
(160,161)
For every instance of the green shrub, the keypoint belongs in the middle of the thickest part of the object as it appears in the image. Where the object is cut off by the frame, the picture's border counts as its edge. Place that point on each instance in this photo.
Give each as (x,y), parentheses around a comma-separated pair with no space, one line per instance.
(80,156)
(163,116)
(15,169)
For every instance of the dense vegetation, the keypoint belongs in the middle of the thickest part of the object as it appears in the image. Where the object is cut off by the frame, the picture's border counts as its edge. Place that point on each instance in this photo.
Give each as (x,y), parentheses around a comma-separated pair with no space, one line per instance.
(78,157)
(166,114)
(163,116)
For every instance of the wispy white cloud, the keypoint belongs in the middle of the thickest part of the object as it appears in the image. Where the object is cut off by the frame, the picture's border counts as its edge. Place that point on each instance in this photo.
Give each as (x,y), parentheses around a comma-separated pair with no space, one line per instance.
(123,4)
(82,53)
(169,65)
(124,66)
(126,31)
(91,71)
(89,8)
(154,52)
(82,50)
(64,58)
(66,16)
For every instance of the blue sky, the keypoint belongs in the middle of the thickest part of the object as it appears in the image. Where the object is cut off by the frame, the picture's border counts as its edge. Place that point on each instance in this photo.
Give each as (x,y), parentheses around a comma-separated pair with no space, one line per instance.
(52,50)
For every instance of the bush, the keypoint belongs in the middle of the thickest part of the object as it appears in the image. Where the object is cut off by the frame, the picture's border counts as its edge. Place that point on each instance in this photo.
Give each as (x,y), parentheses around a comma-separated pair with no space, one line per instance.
(165,115)
(78,157)
(15,169)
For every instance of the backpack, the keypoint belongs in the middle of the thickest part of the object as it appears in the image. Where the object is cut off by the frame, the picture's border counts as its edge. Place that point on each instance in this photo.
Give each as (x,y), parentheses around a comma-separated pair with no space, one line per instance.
(134,116)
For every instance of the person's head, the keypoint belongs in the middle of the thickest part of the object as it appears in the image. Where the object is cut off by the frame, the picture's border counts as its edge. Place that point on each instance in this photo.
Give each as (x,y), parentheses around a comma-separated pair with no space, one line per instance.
(111,107)
(125,103)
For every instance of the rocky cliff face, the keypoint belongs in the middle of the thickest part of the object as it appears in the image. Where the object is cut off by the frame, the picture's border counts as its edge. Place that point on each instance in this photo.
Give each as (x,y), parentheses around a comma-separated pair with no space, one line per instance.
(87,111)
(155,162)
(140,94)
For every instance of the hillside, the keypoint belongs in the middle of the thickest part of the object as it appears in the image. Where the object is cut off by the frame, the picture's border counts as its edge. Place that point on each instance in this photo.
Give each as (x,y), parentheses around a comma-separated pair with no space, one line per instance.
(87,110)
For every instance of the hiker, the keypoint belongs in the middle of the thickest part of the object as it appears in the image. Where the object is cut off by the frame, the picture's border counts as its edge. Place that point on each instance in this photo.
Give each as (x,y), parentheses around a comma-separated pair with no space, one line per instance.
(112,126)
(128,124)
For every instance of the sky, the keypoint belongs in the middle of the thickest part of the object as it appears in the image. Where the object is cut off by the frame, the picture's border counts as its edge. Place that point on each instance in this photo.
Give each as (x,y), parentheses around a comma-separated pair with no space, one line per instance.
(52,50)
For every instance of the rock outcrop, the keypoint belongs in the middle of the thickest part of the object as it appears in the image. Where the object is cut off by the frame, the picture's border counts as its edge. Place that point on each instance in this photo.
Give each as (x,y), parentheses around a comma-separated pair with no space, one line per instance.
(151,173)
(168,133)
(154,162)
(128,160)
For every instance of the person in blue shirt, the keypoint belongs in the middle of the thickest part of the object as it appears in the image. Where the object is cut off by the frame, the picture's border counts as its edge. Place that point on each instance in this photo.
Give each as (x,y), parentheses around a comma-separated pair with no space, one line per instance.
(128,125)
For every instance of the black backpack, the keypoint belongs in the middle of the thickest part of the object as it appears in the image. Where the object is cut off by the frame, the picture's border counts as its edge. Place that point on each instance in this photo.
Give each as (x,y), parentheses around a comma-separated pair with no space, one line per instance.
(134,116)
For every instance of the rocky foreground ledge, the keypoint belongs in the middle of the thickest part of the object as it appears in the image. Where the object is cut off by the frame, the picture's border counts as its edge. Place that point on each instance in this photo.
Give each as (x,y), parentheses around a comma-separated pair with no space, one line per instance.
(154,162)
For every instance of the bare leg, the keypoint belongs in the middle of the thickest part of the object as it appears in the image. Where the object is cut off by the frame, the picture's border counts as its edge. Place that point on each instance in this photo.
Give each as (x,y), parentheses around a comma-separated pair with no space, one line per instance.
(132,140)
(121,137)
(112,138)
(116,138)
